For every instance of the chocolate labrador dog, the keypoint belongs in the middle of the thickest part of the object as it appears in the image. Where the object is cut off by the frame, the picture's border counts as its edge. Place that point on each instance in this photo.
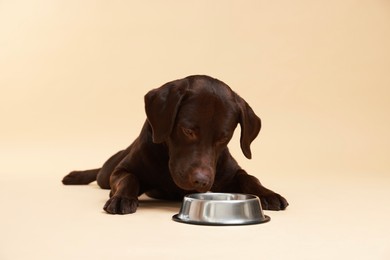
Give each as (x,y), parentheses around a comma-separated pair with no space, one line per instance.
(182,148)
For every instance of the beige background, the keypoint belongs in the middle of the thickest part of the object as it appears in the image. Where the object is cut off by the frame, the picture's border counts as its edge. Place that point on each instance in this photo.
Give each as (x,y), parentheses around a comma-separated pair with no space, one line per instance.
(72,79)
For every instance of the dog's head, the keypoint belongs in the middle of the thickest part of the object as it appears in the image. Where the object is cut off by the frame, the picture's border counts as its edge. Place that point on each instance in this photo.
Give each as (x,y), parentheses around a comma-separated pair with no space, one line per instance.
(196,117)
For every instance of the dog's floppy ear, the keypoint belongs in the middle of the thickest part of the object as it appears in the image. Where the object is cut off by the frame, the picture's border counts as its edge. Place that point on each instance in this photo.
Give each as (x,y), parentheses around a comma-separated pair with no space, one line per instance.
(161,106)
(250,126)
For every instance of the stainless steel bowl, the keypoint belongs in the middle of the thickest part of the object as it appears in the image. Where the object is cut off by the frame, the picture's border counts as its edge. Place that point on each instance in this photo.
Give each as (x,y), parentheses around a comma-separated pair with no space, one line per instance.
(221,209)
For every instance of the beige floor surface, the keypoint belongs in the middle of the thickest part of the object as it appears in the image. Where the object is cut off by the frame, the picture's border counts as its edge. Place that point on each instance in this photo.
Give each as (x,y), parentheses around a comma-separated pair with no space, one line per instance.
(328,218)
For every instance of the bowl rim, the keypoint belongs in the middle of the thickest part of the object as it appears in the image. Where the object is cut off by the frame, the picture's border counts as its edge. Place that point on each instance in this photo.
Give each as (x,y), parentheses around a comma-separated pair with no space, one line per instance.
(195,196)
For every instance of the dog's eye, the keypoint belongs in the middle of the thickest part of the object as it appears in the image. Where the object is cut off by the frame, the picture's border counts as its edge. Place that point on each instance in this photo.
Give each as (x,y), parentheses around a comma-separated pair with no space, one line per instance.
(189,132)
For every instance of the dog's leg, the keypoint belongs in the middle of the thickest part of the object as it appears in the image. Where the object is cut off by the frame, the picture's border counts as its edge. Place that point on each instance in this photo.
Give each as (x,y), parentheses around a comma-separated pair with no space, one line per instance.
(101,175)
(251,185)
(125,189)
(103,178)
(80,177)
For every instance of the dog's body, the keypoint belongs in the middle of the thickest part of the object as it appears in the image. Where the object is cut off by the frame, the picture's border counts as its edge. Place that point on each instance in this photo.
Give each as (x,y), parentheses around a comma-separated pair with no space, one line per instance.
(182,148)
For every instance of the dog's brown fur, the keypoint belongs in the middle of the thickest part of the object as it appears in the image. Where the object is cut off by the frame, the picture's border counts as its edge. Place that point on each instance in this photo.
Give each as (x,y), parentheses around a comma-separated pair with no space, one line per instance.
(182,148)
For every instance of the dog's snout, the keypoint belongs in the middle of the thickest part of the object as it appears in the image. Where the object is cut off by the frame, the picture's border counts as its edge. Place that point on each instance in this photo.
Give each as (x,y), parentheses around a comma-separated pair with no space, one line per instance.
(201,179)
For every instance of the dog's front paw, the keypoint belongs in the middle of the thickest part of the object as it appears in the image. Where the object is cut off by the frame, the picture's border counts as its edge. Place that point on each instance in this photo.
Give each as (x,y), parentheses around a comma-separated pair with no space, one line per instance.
(121,205)
(273,201)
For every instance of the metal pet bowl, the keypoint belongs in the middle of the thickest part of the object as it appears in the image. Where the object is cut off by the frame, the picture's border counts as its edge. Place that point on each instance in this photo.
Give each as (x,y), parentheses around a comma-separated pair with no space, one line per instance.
(221,209)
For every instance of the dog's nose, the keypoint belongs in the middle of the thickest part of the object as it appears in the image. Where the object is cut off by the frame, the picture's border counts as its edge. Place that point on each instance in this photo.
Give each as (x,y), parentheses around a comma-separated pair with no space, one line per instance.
(201,180)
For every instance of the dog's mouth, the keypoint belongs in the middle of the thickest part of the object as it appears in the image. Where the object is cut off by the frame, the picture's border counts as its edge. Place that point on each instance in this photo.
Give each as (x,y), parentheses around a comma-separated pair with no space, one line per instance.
(196,181)
(188,187)
(203,189)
